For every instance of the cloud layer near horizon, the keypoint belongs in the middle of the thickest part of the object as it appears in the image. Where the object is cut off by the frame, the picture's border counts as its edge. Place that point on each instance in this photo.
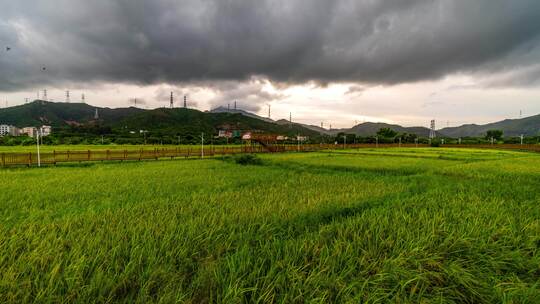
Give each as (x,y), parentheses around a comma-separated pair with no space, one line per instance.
(285,41)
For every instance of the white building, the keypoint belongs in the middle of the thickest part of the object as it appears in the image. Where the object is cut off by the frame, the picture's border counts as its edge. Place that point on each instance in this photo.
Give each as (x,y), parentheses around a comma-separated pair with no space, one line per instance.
(46,130)
(246,136)
(8,130)
(30,131)
(225,133)
(4,130)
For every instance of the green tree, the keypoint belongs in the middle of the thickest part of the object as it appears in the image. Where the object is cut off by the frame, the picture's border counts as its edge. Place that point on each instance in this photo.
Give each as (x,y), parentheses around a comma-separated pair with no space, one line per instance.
(387,133)
(495,134)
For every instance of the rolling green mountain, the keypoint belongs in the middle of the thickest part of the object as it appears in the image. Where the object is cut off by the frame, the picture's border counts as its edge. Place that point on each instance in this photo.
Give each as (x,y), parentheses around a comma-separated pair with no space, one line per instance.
(371,128)
(180,120)
(190,121)
(41,112)
(528,126)
(161,120)
(317,129)
(237,111)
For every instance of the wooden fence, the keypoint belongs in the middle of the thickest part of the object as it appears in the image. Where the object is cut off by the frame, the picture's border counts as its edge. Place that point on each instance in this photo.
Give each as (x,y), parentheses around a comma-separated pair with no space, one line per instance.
(31,158)
(54,157)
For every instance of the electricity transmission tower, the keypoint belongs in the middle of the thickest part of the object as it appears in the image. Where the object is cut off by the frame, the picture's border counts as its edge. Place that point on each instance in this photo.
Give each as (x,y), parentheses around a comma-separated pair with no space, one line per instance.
(432,133)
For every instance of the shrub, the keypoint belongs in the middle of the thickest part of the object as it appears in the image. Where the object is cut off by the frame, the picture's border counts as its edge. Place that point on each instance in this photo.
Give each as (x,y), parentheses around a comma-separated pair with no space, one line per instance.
(248,159)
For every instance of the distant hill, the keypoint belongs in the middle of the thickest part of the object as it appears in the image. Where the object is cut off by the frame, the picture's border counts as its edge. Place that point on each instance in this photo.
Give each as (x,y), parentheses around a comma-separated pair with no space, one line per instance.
(180,120)
(41,112)
(237,111)
(317,129)
(371,128)
(161,120)
(528,126)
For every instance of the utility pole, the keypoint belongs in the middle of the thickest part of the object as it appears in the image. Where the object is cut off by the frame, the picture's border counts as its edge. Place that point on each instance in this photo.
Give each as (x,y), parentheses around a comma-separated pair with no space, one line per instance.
(298,142)
(185,101)
(83,98)
(269,111)
(38,152)
(45,94)
(202,145)
(172,100)
(521,139)
(67,96)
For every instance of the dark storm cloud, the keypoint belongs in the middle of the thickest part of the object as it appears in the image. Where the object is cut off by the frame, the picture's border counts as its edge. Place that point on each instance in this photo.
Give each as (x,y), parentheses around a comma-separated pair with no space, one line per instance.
(143,42)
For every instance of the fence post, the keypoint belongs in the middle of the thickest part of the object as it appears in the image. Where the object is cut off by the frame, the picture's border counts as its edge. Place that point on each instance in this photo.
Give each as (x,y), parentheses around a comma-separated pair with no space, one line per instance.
(3,159)
(54,157)
(29,159)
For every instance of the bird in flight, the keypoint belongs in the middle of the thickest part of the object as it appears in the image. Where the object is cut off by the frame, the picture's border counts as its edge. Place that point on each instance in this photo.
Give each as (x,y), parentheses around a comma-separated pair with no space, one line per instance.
(8,49)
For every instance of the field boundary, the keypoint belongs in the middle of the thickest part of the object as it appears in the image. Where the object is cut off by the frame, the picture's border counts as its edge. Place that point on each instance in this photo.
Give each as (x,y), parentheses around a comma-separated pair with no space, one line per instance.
(9,159)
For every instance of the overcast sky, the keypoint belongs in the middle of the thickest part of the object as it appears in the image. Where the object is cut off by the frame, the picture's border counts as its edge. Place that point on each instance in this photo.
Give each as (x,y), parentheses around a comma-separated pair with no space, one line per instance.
(337,62)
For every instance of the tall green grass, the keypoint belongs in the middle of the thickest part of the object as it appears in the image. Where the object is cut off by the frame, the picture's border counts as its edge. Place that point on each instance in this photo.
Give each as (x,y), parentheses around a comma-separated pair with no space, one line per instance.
(394,225)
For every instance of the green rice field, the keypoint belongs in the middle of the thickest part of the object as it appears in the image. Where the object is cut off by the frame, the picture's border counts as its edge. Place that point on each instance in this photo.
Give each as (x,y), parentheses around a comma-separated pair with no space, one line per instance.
(426,225)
